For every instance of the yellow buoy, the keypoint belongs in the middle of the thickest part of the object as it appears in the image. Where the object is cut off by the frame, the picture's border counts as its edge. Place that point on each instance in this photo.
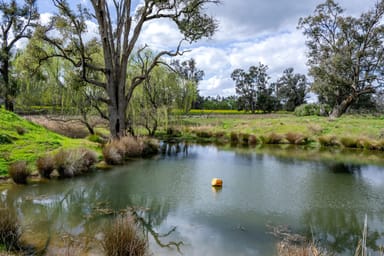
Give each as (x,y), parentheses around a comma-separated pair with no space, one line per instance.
(216,182)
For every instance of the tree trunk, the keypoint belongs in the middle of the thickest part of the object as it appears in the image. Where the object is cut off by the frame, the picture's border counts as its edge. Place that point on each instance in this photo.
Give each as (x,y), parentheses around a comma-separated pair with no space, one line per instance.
(341,108)
(8,91)
(117,106)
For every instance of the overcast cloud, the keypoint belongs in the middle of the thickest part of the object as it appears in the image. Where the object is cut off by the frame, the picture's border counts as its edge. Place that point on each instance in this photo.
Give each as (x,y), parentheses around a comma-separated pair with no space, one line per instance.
(250,31)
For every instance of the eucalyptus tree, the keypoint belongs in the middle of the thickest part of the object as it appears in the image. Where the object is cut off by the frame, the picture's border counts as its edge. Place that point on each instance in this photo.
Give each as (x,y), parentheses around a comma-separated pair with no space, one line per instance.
(291,89)
(346,54)
(249,85)
(120,23)
(17,22)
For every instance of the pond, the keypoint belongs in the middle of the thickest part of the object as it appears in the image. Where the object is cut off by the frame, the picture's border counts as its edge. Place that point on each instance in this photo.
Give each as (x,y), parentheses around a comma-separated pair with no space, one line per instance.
(182,213)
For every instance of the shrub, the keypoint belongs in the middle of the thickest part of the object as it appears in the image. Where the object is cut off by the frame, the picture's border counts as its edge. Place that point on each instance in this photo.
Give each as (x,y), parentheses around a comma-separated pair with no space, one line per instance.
(295,138)
(9,230)
(313,109)
(45,165)
(328,141)
(122,238)
(19,172)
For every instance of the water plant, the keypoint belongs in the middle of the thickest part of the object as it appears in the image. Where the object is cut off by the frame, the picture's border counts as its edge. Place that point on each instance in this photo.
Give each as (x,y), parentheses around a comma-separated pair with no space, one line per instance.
(19,172)
(9,230)
(121,237)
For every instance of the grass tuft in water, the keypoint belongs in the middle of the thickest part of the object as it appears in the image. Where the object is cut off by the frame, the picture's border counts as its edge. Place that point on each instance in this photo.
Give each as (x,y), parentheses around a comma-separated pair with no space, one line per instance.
(123,238)
(19,172)
(45,165)
(9,230)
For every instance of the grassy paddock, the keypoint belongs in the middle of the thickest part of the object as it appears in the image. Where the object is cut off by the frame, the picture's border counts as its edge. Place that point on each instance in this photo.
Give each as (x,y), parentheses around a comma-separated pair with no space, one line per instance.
(311,126)
(350,131)
(23,140)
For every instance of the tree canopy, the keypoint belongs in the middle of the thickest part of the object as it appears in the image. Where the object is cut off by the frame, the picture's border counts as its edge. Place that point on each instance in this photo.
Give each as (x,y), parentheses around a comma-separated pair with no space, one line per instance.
(346,54)
(120,24)
(17,22)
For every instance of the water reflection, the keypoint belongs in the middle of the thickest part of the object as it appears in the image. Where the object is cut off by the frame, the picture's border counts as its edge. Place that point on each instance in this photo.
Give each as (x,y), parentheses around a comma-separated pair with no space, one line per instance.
(180,211)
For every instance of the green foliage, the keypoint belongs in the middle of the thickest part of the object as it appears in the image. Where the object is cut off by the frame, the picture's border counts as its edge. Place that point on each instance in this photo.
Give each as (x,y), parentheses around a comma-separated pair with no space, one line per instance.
(291,89)
(250,84)
(346,54)
(19,172)
(31,145)
(312,109)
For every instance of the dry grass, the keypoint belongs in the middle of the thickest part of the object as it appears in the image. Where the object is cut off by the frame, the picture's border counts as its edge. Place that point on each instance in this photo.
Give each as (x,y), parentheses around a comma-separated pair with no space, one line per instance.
(272,138)
(122,238)
(9,230)
(45,165)
(69,163)
(252,140)
(296,139)
(117,151)
(328,141)
(19,172)
(288,249)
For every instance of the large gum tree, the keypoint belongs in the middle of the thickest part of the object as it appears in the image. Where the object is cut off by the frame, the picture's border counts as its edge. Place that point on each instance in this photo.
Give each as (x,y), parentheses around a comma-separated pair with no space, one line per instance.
(346,54)
(120,23)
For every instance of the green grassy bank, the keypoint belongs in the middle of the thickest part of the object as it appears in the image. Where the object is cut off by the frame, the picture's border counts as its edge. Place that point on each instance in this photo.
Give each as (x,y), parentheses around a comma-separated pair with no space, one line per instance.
(24,140)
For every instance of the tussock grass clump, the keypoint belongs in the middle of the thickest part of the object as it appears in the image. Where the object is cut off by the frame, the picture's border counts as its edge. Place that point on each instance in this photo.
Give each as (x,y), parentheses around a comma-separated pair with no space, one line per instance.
(9,230)
(328,141)
(20,130)
(244,138)
(367,144)
(19,172)
(296,139)
(349,142)
(204,134)
(113,153)
(272,138)
(252,140)
(117,151)
(123,238)
(234,137)
(69,163)
(45,165)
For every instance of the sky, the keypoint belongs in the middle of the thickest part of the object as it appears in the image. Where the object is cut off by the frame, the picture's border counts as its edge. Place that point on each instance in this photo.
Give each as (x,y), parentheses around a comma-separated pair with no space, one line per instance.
(250,32)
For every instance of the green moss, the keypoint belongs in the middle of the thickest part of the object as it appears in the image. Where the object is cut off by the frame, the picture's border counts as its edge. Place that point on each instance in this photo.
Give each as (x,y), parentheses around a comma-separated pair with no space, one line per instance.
(29,145)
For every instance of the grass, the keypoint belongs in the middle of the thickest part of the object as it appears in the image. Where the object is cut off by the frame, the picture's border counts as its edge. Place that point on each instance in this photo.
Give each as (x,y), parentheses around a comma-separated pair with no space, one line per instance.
(9,230)
(123,238)
(311,127)
(30,142)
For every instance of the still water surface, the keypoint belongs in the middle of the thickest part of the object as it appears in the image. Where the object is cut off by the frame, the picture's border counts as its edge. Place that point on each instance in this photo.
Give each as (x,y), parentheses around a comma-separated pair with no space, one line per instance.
(324,201)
